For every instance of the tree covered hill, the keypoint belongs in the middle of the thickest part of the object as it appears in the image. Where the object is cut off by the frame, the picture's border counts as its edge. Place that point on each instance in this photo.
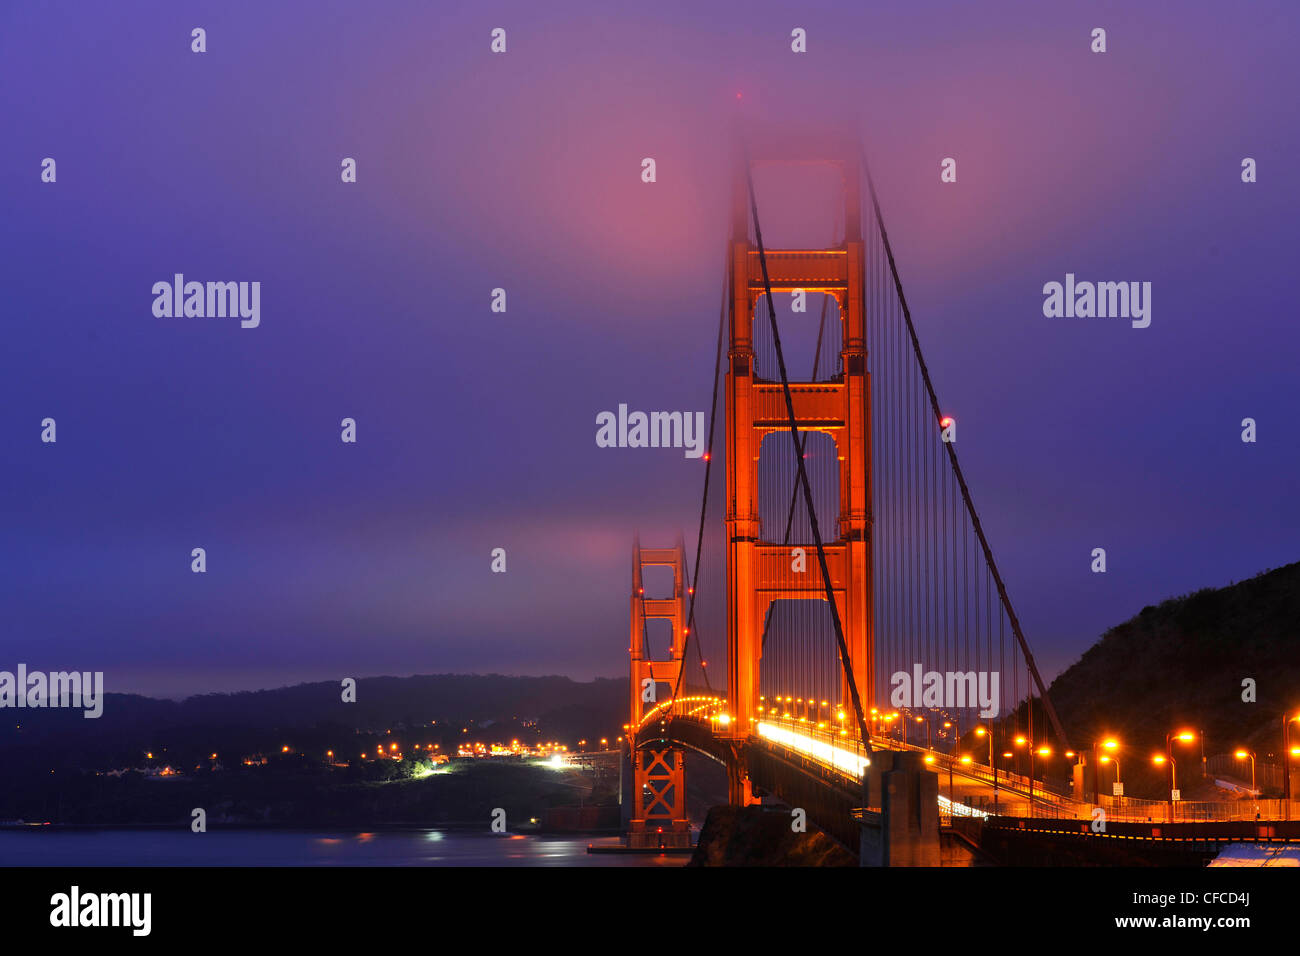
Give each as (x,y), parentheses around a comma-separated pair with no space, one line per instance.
(1182,663)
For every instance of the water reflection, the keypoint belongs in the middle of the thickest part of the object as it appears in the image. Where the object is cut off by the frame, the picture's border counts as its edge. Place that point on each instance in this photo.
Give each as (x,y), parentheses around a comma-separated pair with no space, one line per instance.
(46,846)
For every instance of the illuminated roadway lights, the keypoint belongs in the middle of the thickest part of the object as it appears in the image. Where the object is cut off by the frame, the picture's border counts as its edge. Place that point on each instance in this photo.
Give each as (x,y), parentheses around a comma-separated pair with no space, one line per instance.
(1186,736)
(1046,753)
(929,761)
(956,735)
(1287,753)
(1242,755)
(1110,744)
(845,760)
(1022,741)
(958,809)
(981,731)
(1159,760)
(1107,758)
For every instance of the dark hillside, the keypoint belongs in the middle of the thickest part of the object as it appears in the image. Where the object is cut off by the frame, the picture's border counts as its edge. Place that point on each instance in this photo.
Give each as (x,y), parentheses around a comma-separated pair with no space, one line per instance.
(1181,664)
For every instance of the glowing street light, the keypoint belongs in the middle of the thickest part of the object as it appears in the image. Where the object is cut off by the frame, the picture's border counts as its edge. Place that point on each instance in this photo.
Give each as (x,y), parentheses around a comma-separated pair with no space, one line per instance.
(1185,736)
(1111,746)
(982,731)
(1160,760)
(1022,741)
(1242,755)
(1105,759)
(929,745)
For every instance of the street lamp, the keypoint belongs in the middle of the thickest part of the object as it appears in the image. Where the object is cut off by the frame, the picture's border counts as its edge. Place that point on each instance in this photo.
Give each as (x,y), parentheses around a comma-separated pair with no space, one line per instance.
(929,743)
(1242,755)
(1022,742)
(1106,758)
(1158,759)
(981,731)
(1286,762)
(1186,736)
(1046,753)
(1106,743)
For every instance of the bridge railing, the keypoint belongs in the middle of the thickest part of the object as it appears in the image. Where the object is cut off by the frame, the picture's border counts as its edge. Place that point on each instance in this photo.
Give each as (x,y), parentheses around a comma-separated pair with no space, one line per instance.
(1228,765)
(1043,797)
(1046,803)
(1140,810)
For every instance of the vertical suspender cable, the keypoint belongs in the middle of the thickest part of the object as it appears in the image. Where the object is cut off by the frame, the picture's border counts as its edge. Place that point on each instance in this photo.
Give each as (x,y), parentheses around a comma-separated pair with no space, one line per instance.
(952,457)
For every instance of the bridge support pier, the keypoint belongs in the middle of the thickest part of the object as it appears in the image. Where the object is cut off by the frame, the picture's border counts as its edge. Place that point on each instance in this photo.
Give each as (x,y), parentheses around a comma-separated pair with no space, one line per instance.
(905,830)
(740,791)
(659,799)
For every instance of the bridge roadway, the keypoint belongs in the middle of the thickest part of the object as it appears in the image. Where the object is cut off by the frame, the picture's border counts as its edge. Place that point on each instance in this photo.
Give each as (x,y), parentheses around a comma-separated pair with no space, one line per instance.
(821,773)
(834,761)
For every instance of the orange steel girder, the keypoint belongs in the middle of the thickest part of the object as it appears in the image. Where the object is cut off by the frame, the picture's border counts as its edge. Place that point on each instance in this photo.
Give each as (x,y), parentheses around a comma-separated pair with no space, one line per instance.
(658,770)
(840,409)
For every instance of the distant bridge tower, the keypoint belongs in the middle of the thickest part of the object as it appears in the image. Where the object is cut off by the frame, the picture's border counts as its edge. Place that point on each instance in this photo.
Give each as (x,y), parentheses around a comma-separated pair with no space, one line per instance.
(658,771)
(839,408)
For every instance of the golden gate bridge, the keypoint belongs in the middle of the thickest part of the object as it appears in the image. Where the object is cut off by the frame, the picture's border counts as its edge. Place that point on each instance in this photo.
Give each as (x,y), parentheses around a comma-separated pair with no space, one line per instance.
(851,561)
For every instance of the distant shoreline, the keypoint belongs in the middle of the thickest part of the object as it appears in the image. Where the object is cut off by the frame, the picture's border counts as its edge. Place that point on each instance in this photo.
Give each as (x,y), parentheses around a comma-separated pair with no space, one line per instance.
(461,826)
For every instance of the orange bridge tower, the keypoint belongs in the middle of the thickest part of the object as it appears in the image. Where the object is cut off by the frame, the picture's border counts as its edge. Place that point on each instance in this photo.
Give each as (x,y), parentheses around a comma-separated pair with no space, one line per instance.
(658,771)
(757,567)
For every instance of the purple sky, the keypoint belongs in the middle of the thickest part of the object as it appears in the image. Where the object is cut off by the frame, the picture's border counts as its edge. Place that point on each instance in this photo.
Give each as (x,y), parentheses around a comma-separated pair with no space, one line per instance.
(476,430)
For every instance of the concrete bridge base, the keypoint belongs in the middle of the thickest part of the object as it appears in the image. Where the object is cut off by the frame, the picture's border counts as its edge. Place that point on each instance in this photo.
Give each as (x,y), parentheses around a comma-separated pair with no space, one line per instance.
(905,829)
